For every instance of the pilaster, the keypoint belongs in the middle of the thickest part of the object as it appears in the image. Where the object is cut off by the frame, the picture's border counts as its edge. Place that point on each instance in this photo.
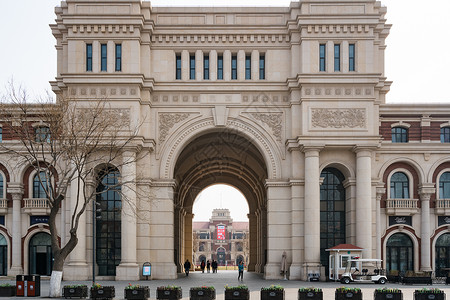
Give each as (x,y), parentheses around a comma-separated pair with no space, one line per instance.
(425,192)
(16,191)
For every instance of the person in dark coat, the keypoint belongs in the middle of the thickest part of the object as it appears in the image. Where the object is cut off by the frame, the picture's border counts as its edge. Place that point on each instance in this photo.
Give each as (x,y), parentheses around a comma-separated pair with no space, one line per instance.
(202,266)
(208,265)
(187,267)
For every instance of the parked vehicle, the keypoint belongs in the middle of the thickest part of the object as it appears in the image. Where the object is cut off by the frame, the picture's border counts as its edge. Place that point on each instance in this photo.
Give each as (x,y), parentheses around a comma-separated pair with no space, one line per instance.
(371,271)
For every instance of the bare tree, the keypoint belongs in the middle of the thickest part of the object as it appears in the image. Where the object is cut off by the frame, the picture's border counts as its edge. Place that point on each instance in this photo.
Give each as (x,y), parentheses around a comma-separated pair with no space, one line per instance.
(65,141)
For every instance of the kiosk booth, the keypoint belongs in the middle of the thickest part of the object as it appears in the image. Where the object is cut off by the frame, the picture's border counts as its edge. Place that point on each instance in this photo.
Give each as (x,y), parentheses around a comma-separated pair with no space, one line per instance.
(339,255)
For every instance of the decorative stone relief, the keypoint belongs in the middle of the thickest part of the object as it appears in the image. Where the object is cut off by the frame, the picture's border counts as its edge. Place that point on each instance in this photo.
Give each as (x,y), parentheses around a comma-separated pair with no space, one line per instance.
(167,121)
(338,118)
(273,120)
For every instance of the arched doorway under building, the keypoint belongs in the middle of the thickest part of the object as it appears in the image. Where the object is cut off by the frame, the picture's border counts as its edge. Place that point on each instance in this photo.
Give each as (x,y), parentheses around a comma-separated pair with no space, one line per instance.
(442,255)
(40,254)
(3,256)
(221,158)
(399,253)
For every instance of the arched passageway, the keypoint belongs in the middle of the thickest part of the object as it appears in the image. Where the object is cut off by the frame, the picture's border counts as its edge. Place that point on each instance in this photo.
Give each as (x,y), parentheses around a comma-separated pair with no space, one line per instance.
(220,157)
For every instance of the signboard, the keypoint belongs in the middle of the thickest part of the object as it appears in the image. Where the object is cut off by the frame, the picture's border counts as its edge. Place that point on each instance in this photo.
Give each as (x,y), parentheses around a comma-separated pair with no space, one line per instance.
(400,220)
(38,219)
(221,232)
(443,220)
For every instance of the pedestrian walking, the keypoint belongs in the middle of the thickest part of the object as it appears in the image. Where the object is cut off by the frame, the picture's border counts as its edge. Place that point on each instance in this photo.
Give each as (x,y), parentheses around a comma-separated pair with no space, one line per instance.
(241,270)
(202,266)
(214,266)
(208,265)
(187,267)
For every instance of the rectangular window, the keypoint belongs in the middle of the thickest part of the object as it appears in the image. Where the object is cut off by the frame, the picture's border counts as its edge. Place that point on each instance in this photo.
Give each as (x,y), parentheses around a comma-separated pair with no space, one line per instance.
(178,67)
(351,57)
(88,57)
(192,67)
(234,67)
(118,57)
(206,67)
(220,67)
(248,67)
(337,58)
(262,67)
(322,61)
(1,134)
(103,57)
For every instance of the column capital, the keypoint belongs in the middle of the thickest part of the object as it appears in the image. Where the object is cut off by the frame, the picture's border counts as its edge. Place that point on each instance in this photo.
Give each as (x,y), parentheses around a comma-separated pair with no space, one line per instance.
(380,190)
(311,150)
(364,150)
(426,190)
(15,188)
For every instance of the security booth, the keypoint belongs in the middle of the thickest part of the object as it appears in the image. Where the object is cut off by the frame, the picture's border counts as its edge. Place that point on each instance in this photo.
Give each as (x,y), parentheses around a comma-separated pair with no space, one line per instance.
(339,255)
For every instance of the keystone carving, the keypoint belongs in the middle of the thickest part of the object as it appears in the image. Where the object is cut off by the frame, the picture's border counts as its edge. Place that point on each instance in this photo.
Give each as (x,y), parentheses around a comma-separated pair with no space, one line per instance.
(167,121)
(338,118)
(273,120)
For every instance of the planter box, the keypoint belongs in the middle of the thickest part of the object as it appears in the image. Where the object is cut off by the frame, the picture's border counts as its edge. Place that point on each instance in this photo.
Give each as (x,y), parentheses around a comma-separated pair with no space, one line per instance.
(104,293)
(205,294)
(417,280)
(387,296)
(141,293)
(347,296)
(272,295)
(310,295)
(237,294)
(75,292)
(429,296)
(7,291)
(169,294)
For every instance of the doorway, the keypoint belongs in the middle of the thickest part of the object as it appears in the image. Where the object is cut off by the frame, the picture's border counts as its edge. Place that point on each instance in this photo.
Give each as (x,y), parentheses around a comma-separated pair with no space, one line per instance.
(40,254)
(399,253)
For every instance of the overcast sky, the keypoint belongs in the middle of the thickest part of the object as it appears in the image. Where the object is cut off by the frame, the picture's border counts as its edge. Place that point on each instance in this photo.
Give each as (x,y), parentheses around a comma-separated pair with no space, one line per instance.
(417,54)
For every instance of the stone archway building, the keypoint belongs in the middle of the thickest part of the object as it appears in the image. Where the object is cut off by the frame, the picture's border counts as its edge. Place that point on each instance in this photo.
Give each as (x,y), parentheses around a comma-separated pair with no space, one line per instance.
(269,100)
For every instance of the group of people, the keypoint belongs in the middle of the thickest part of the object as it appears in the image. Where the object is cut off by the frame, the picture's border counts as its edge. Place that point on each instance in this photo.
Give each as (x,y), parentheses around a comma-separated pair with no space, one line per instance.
(209,265)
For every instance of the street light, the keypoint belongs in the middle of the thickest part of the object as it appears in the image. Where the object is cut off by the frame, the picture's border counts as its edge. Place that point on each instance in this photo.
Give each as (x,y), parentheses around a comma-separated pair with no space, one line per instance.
(96,215)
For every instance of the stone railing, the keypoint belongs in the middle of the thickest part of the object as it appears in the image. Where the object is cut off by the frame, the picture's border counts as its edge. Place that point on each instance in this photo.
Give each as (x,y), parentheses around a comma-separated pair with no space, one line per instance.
(36,206)
(3,203)
(442,206)
(402,206)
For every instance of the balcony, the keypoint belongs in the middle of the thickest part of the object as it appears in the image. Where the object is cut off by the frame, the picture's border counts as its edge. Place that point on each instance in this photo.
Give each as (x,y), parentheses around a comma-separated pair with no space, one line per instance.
(36,206)
(3,206)
(402,207)
(442,207)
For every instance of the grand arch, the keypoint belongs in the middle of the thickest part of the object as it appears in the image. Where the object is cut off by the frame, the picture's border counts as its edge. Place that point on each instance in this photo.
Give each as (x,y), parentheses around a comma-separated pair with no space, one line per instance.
(220,156)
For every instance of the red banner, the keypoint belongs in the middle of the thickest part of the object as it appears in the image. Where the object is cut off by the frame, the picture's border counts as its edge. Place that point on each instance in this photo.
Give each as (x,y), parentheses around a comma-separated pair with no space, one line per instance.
(221,232)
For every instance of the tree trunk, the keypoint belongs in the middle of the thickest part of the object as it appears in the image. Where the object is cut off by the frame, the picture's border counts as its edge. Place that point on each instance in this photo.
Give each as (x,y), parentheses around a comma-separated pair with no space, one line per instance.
(55,284)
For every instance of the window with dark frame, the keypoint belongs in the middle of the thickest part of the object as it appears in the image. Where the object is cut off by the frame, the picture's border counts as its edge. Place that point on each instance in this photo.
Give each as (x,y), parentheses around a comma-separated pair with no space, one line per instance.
(42,134)
(1,134)
(444,186)
(88,57)
(220,67)
(234,67)
(40,188)
(399,135)
(248,67)
(118,64)
(445,135)
(2,186)
(262,66)
(192,67)
(103,57)
(178,67)
(337,57)
(322,56)
(206,67)
(351,57)
(399,186)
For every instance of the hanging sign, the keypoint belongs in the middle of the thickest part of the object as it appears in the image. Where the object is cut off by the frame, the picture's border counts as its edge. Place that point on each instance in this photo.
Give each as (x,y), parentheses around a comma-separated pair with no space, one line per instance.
(400,220)
(443,220)
(221,232)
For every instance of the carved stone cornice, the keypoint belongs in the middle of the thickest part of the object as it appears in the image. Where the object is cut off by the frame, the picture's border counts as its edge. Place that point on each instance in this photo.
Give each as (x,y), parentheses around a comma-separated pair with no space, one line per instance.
(273,120)
(167,121)
(338,118)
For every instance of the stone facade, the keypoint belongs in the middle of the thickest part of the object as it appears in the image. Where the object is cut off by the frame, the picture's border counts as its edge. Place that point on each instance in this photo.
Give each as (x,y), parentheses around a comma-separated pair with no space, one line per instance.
(277,102)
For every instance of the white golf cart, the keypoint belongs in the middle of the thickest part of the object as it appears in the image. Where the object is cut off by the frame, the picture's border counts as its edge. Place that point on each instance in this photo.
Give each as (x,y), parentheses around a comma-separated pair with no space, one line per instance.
(372,271)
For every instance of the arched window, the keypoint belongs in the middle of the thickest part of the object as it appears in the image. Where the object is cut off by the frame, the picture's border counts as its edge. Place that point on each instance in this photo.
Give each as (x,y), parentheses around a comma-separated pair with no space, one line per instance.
(41,183)
(239,258)
(399,253)
(399,186)
(399,135)
(2,186)
(40,254)
(332,212)
(443,255)
(108,227)
(444,186)
(445,135)
(239,247)
(201,247)
(3,256)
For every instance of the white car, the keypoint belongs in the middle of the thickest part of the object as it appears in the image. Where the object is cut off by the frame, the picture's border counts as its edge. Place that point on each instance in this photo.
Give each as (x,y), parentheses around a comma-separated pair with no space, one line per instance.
(371,271)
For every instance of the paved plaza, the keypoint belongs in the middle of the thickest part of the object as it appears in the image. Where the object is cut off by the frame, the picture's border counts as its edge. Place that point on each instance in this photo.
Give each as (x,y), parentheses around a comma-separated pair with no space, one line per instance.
(253,280)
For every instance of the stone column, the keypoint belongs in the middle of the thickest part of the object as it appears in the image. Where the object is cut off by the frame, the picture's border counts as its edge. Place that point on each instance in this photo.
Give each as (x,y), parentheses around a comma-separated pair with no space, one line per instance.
(77,265)
(381,190)
(199,65)
(425,192)
(185,65)
(312,210)
(188,246)
(16,191)
(128,269)
(255,65)
(297,207)
(364,201)
(241,65)
(213,65)
(227,65)
(253,241)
